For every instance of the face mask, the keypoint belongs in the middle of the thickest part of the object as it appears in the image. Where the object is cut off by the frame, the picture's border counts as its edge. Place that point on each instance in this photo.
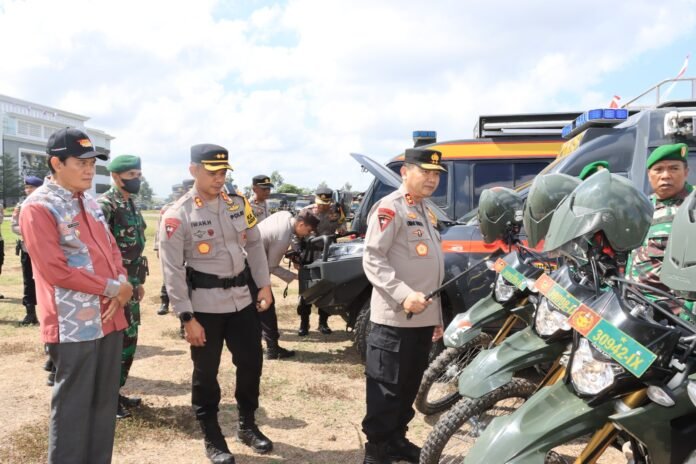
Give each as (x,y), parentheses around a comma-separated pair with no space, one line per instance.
(131,185)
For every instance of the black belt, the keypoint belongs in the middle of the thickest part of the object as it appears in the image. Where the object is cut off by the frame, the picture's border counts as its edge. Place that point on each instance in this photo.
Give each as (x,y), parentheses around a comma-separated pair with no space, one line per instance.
(197,279)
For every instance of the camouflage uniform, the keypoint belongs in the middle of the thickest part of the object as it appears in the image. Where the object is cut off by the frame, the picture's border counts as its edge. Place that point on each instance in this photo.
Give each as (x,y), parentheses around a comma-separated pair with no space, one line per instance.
(128,227)
(645,263)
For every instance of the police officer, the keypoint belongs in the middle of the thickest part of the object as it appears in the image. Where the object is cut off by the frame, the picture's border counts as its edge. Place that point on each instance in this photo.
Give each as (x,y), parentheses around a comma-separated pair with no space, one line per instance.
(261,185)
(31,183)
(276,232)
(128,227)
(164,298)
(332,220)
(213,232)
(667,173)
(403,260)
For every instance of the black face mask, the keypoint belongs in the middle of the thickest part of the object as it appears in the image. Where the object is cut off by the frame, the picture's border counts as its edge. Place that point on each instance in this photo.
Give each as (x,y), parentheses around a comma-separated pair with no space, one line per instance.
(131,185)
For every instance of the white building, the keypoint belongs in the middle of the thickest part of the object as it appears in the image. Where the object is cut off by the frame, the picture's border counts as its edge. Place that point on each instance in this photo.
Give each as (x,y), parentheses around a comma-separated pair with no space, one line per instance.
(25,130)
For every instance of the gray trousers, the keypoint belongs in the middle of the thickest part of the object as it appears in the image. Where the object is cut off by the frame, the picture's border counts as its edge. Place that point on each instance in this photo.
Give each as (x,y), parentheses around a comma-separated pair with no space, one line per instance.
(84,401)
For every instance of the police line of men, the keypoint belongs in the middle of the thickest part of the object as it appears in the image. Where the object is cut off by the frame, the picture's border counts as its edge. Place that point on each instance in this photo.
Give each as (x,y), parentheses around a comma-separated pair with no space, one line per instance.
(217,267)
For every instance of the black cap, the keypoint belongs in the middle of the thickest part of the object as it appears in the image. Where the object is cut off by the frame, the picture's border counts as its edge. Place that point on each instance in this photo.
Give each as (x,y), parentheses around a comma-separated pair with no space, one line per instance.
(262,180)
(68,142)
(309,219)
(33,181)
(424,158)
(212,157)
(323,196)
(187,184)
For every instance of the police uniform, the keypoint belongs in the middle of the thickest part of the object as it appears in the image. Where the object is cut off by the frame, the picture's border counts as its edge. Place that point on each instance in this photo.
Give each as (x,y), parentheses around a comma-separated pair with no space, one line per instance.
(164,298)
(29,287)
(260,208)
(330,222)
(128,227)
(216,239)
(645,262)
(402,255)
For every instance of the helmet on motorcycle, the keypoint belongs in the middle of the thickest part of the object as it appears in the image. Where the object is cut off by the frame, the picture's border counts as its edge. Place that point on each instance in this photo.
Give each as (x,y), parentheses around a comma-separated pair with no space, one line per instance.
(545,194)
(605,203)
(679,265)
(499,210)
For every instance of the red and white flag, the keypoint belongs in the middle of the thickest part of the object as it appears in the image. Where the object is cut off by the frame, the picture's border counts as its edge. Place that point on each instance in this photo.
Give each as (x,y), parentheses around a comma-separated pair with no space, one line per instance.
(681,72)
(683,68)
(615,102)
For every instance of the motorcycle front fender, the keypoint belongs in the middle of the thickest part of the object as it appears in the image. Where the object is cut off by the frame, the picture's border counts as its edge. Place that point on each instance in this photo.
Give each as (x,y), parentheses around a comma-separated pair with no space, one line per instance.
(467,326)
(494,368)
(550,418)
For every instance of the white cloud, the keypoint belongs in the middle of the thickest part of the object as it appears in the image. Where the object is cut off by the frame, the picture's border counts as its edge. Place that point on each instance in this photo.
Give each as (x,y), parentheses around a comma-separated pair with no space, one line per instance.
(296,86)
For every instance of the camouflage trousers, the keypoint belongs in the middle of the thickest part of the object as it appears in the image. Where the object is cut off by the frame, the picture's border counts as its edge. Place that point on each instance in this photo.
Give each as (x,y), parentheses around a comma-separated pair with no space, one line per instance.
(130,338)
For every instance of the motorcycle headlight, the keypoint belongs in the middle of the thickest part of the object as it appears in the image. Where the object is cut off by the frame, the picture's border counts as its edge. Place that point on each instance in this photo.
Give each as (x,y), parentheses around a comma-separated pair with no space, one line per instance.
(589,375)
(339,250)
(503,289)
(548,321)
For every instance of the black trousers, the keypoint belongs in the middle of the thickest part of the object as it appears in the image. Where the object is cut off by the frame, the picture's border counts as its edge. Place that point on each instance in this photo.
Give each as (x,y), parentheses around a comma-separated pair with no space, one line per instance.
(305,309)
(29,298)
(268,318)
(164,297)
(396,360)
(241,332)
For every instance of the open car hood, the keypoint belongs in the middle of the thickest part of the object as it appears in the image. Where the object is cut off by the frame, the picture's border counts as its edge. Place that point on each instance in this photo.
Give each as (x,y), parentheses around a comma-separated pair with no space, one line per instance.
(390,178)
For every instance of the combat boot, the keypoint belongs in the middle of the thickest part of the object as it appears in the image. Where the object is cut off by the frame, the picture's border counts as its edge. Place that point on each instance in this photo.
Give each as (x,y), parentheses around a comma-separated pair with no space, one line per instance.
(376,453)
(303,331)
(249,434)
(324,325)
(275,351)
(163,309)
(30,318)
(215,445)
(400,449)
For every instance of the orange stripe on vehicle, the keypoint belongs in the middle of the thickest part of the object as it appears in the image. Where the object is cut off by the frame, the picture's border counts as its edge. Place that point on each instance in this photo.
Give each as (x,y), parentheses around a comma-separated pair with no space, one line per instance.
(484,150)
(478,246)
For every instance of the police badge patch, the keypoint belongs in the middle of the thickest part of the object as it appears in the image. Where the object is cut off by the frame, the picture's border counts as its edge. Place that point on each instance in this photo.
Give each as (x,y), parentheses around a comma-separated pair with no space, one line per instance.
(385,216)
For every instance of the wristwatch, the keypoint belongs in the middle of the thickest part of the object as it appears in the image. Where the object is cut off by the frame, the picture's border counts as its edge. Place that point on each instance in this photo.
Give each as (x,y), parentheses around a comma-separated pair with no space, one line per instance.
(186,317)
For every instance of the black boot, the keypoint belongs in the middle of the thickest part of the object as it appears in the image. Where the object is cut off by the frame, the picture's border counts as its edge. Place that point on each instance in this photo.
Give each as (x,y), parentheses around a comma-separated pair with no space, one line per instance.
(376,453)
(249,434)
(215,446)
(163,309)
(324,325)
(30,318)
(400,449)
(129,401)
(274,351)
(51,380)
(303,331)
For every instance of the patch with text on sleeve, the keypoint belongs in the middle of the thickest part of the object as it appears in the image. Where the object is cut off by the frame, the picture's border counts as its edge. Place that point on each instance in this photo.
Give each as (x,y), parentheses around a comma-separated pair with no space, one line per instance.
(170,226)
(385,217)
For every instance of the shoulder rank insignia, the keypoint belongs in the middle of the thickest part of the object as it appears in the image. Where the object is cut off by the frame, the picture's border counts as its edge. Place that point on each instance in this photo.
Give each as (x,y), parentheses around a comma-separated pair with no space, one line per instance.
(409,199)
(198,202)
(433,219)
(249,214)
(385,216)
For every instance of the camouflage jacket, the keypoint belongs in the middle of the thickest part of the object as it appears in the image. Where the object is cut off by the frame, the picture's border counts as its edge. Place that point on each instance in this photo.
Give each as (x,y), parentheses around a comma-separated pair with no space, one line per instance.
(645,262)
(128,227)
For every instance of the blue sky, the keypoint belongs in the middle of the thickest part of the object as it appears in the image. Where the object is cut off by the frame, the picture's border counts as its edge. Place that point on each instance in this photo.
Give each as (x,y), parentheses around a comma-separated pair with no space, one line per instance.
(295,86)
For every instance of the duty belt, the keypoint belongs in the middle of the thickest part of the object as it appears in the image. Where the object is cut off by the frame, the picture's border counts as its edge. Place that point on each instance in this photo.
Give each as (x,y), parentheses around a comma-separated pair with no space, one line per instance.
(197,279)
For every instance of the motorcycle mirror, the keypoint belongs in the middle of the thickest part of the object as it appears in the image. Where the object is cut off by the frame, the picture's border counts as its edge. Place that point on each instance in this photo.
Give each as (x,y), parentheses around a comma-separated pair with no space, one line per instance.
(691,390)
(661,396)
(490,265)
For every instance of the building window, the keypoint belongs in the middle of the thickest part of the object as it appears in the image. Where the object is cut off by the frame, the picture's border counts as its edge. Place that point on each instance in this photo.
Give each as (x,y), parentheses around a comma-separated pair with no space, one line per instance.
(102,171)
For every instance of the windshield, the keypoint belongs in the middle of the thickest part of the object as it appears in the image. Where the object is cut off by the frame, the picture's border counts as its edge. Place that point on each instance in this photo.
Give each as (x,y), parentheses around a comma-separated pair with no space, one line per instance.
(299,204)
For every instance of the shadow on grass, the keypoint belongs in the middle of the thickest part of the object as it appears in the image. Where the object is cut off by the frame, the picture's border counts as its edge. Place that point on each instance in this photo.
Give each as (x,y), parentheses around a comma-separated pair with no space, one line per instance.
(157,387)
(346,355)
(147,351)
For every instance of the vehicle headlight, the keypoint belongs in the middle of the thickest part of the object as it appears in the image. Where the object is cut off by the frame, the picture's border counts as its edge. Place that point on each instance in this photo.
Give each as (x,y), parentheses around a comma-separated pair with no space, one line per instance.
(339,250)
(548,321)
(503,289)
(589,375)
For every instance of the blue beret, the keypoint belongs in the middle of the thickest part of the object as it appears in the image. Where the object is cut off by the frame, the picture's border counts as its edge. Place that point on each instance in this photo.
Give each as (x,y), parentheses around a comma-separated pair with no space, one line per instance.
(33,180)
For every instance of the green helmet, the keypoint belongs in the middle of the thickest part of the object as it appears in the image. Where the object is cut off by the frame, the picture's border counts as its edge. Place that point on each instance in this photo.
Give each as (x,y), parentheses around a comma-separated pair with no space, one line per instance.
(679,265)
(499,210)
(545,194)
(605,203)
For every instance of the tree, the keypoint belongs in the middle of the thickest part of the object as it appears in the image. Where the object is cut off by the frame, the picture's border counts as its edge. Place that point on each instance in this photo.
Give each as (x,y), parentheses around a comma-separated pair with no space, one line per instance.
(11,185)
(277,180)
(289,188)
(145,194)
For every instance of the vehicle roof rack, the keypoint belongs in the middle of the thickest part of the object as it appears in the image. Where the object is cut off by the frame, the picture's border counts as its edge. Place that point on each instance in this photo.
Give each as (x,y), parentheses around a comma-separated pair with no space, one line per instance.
(539,124)
(662,93)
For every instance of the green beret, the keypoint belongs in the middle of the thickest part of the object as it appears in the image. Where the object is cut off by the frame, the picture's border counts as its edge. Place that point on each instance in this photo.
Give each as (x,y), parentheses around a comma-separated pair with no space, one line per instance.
(592,168)
(124,163)
(676,151)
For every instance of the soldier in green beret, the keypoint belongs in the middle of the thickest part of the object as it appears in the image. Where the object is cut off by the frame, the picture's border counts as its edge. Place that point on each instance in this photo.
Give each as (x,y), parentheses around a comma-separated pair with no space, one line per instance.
(667,173)
(593,168)
(128,227)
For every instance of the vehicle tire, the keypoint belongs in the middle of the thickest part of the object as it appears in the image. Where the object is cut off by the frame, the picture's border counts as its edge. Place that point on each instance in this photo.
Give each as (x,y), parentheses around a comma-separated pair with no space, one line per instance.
(457,430)
(439,388)
(362,329)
